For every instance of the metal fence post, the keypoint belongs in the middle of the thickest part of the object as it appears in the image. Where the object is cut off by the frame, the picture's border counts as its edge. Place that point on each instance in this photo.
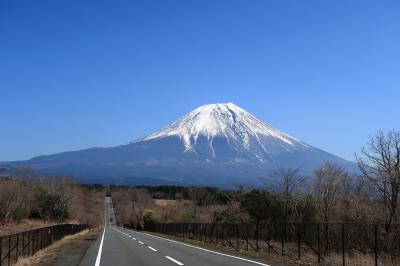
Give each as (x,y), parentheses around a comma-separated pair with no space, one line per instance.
(318,245)
(247,238)
(222,234)
(181,226)
(37,240)
(205,233)
(1,250)
(376,244)
(216,233)
(29,242)
(23,244)
(298,241)
(269,237)
(41,239)
(343,247)
(16,250)
(9,250)
(282,237)
(237,236)
(257,229)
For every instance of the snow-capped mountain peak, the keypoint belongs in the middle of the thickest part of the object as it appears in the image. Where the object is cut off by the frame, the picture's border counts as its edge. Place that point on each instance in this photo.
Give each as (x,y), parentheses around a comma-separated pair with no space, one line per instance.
(214,145)
(225,120)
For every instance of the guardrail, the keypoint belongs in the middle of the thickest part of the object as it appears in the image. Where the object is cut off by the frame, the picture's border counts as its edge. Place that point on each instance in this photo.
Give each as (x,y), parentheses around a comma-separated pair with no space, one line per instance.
(29,242)
(329,244)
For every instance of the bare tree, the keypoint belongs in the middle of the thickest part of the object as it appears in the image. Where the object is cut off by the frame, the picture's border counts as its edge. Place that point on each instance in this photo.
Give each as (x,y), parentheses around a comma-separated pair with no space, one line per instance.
(197,196)
(7,197)
(122,205)
(288,186)
(140,201)
(16,198)
(380,164)
(326,186)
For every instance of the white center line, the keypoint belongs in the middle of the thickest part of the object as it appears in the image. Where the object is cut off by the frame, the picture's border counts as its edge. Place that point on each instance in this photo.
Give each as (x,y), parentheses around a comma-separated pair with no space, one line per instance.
(141,242)
(171,259)
(152,248)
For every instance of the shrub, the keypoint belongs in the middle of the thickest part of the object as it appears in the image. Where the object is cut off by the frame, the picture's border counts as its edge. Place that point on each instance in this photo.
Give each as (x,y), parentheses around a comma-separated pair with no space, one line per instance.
(51,205)
(261,205)
(148,219)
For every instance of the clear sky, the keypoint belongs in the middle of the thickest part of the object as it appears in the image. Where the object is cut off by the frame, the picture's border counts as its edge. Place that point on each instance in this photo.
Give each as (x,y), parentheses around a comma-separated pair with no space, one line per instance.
(78,74)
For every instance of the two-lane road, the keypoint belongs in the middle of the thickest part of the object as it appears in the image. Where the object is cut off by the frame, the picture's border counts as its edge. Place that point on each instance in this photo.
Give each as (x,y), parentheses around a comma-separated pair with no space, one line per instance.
(118,246)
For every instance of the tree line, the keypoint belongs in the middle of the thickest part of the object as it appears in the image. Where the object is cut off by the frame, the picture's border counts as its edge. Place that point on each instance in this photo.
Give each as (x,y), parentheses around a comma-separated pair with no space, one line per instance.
(331,194)
(29,195)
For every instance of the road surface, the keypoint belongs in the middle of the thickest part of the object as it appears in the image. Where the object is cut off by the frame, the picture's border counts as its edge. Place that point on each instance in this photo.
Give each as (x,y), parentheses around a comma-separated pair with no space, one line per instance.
(118,247)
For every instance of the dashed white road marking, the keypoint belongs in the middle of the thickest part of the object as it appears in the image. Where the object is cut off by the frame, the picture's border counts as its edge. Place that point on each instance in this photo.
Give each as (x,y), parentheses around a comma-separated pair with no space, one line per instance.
(174,260)
(207,250)
(152,248)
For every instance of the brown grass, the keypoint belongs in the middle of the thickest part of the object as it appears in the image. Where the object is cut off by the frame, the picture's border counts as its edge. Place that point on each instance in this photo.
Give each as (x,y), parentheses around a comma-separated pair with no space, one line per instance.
(307,257)
(262,256)
(24,225)
(29,224)
(49,253)
(169,202)
(164,202)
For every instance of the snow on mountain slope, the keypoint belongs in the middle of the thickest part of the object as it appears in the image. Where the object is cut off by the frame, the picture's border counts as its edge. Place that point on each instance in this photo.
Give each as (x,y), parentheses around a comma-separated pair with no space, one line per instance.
(241,129)
(215,144)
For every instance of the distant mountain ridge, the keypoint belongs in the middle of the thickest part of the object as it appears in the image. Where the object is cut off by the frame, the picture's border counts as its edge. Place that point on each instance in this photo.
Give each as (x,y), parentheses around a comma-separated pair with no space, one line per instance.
(4,171)
(215,144)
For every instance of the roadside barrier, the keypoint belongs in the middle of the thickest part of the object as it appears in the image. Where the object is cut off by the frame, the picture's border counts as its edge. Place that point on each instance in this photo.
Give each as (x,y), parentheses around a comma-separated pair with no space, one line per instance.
(29,242)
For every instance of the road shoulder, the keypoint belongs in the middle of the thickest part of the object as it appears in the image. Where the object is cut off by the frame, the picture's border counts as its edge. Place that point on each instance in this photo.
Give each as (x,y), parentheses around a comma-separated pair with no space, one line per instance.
(68,251)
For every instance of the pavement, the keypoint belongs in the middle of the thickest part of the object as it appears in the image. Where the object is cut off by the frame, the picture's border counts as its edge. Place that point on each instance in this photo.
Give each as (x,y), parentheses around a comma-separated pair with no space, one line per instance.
(118,246)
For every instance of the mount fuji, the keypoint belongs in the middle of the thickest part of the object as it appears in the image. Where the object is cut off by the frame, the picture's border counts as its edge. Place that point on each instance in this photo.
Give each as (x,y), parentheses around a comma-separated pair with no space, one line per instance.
(215,145)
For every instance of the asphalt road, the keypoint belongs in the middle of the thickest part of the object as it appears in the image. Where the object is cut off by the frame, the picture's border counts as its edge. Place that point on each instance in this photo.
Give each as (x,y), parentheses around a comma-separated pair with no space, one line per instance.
(118,247)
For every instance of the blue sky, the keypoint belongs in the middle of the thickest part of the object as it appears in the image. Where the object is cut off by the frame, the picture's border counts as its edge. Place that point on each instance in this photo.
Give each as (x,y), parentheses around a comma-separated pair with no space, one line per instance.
(78,74)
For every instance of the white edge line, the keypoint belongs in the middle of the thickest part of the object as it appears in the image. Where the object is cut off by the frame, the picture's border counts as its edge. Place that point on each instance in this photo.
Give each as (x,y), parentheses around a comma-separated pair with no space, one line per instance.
(174,260)
(97,263)
(152,248)
(211,251)
(100,249)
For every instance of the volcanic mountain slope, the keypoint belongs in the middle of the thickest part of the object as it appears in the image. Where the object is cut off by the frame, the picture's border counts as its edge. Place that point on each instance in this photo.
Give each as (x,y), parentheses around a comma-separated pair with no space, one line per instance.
(215,144)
